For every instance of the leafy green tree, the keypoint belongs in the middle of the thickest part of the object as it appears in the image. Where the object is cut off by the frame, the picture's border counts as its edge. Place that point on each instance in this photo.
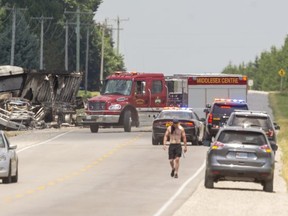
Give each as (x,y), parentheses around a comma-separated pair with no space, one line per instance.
(54,35)
(264,70)
(26,45)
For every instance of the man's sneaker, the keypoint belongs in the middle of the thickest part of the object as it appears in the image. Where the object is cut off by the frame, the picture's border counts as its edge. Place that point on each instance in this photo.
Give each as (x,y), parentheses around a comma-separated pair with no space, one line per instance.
(176,175)
(172,172)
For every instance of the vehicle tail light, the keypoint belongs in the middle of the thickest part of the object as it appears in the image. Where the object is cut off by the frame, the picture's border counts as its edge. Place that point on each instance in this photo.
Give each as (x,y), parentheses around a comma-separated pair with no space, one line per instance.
(217,145)
(270,133)
(210,118)
(190,124)
(266,148)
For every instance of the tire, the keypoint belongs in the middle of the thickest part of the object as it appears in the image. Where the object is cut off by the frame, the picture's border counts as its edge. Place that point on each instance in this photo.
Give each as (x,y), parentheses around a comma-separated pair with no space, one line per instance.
(94,128)
(8,179)
(268,186)
(209,182)
(154,141)
(127,121)
(14,179)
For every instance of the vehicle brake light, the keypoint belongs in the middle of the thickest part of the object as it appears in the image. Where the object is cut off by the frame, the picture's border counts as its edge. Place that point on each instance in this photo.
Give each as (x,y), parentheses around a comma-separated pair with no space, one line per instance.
(270,133)
(217,145)
(190,124)
(266,148)
(225,107)
(210,118)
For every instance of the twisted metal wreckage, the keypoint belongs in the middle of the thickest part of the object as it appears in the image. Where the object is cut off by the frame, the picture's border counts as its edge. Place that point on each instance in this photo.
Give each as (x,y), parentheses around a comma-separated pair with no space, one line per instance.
(37,99)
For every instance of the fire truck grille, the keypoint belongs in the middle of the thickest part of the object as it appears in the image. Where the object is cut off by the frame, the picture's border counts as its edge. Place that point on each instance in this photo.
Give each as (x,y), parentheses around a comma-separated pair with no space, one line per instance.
(97,105)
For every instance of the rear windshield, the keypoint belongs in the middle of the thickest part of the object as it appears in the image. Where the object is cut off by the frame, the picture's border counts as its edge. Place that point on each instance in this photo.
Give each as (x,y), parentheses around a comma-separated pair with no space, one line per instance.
(243,137)
(227,109)
(262,122)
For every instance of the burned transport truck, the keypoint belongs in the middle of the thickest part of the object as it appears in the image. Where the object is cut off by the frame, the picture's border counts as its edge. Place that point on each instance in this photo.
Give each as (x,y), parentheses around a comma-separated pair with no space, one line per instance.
(37,98)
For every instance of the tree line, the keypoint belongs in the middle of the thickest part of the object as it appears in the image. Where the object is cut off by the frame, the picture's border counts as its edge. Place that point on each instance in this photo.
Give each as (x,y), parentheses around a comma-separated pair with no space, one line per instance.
(264,70)
(27,37)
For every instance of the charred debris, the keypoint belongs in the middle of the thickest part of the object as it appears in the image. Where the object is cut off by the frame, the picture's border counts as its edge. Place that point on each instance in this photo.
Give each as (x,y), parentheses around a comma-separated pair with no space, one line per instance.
(38,99)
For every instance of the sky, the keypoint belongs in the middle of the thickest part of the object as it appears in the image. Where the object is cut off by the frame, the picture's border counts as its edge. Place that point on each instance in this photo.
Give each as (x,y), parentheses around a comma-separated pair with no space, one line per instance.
(194,36)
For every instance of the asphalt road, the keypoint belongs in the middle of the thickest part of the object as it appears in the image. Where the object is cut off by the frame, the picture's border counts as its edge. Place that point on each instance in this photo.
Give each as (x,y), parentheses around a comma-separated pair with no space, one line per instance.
(239,198)
(75,172)
(70,171)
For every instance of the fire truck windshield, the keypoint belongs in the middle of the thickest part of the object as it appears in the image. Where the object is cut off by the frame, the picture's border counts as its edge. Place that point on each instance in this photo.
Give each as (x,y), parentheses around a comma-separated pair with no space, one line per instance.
(121,87)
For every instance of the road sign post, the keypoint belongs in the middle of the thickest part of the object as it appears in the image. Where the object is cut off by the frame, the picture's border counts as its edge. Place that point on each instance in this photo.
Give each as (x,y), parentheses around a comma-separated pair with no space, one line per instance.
(281,73)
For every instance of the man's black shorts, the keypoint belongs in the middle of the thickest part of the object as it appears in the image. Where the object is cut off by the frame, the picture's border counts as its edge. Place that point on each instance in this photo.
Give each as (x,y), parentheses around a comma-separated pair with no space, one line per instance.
(175,150)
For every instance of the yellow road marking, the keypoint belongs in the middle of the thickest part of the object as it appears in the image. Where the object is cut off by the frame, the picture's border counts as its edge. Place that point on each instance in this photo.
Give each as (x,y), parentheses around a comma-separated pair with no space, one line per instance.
(118,147)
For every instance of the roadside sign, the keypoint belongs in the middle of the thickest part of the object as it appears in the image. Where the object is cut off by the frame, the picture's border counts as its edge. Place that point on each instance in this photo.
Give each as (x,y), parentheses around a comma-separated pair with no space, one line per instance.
(250,82)
(282,72)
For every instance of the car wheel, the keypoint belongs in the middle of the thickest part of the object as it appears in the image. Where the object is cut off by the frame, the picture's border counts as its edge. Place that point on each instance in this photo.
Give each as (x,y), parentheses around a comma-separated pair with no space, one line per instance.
(8,179)
(268,185)
(14,179)
(127,121)
(209,182)
(94,128)
(154,141)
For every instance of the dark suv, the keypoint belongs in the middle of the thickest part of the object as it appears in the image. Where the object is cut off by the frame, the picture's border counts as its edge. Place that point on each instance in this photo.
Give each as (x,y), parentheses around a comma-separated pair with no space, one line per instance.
(218,113)
(260,119)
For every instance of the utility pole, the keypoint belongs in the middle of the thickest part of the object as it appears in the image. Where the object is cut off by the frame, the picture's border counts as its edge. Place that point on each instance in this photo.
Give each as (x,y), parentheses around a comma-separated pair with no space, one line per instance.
(14,13)
(118,20)
(86,62)
(66,45)
(42,37)
(102,50)
(13,36)
(78,23)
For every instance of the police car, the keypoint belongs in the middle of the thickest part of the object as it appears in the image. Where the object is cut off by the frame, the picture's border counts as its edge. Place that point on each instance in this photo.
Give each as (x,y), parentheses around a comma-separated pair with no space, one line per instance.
(218,113)
(188,119)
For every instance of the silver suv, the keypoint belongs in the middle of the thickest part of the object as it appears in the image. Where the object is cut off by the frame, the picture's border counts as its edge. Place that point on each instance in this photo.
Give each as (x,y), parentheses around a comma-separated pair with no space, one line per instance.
(240,154)
(260,119)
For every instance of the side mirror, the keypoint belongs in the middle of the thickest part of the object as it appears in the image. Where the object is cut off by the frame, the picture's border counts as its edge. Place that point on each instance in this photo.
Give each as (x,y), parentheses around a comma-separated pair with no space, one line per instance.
(206,110)
(274,146)
(208,106)
(12,147)
(276,126)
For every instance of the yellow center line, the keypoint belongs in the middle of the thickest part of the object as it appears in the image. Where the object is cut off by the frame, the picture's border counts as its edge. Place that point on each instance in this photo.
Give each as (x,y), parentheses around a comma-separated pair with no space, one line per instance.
(118,147)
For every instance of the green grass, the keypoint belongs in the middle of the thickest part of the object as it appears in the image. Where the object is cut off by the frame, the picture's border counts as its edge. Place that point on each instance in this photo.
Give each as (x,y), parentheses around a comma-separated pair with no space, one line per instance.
(279,105)
(88,94)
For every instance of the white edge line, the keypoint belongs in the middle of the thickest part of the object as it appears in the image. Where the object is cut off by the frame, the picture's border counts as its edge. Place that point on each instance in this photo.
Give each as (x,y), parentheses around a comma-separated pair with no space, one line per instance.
(166,205)
(42,143)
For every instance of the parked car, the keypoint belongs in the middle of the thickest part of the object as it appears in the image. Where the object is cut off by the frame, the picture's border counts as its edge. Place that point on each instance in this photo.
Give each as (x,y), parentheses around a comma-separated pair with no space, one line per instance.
(259,119)
(188,119)
(240,154)
(218,113)
(8,160)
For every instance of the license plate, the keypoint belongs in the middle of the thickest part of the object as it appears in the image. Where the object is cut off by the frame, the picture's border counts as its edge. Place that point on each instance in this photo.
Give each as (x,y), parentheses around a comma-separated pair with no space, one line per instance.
(241,155)
(168,124)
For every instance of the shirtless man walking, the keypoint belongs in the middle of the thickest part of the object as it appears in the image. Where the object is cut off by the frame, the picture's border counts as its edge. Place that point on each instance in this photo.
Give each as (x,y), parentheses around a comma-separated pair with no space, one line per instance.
(175,132)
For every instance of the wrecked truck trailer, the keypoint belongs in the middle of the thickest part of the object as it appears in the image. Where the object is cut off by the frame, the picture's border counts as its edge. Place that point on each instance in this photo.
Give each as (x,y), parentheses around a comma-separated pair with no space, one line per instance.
(52,94)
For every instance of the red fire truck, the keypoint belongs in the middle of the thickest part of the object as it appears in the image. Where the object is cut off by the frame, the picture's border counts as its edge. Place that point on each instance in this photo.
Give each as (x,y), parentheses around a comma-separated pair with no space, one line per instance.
(128,98)
(125,97)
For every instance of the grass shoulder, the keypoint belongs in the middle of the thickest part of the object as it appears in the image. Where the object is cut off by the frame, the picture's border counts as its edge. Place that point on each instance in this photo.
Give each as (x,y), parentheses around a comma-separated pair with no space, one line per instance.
(279,105)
